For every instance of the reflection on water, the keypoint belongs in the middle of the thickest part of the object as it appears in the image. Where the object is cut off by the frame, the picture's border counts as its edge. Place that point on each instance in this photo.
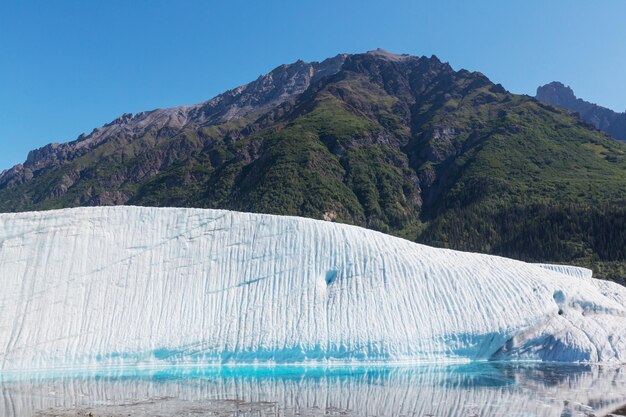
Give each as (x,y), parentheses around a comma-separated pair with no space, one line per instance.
(461,390)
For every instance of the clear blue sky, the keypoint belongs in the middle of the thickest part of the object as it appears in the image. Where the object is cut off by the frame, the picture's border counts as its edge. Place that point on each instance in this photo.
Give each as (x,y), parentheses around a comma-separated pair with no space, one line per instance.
(69,66)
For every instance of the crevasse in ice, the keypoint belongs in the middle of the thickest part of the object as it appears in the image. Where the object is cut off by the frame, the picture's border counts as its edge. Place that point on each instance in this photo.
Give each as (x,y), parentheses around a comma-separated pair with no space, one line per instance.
(132,286)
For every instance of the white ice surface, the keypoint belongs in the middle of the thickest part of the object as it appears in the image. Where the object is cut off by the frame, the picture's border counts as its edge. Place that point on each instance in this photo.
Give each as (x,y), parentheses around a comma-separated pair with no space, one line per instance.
(574,271)
(131,286)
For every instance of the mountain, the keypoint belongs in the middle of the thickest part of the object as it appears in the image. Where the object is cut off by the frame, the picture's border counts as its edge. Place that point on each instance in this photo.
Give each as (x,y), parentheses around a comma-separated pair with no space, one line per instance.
(117,286)
(117,140)
(606,120)
(401,144)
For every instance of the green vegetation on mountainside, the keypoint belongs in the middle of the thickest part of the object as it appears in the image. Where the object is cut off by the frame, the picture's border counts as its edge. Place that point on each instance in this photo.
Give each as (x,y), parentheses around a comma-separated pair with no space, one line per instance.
(410,148)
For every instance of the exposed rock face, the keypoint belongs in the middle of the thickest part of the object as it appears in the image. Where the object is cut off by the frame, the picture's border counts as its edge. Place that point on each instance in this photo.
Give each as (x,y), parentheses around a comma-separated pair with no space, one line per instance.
(603,119)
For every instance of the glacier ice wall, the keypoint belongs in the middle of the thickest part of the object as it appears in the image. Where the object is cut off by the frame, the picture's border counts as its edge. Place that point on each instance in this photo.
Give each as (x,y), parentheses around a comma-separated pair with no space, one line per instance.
(131,286)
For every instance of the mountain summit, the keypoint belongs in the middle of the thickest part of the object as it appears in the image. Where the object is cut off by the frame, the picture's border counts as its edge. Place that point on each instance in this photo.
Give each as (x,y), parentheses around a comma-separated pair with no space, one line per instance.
(397,143)
(606,120)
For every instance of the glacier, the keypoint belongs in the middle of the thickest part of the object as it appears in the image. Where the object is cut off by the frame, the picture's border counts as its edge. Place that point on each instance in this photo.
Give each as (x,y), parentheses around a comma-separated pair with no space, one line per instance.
(138,286)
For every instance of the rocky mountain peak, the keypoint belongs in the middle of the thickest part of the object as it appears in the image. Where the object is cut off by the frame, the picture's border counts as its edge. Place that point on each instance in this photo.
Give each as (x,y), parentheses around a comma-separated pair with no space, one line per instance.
(123,119)
(381,53)
(606,120)
(280,84)
(557,94)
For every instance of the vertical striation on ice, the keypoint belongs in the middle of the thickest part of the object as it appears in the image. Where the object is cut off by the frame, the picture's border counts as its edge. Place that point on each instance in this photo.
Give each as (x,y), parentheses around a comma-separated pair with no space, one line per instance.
(131,286)
(574,271)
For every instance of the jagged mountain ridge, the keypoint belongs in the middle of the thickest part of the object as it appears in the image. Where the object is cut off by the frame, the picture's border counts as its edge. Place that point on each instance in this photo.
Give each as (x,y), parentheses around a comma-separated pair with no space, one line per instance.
(269,90)
(397,143)
(238,113)
(606,120)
